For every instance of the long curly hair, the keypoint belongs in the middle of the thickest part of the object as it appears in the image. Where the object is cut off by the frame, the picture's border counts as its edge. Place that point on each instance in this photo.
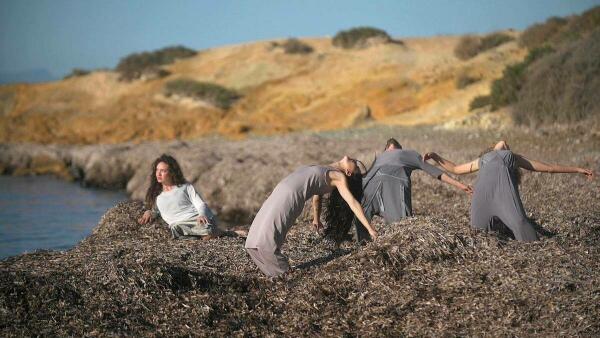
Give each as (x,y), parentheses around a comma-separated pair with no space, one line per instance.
(516,171)
(337,213)
(155,187)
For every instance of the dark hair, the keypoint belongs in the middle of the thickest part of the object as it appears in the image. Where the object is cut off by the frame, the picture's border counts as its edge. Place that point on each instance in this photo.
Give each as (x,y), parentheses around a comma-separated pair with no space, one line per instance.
(516,171)
(394,142)
(337,213)
(155,188)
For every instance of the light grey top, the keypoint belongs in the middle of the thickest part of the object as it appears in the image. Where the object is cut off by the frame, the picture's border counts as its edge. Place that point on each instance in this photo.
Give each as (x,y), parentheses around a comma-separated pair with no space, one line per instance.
(284,205)
(180,204)
(407,160)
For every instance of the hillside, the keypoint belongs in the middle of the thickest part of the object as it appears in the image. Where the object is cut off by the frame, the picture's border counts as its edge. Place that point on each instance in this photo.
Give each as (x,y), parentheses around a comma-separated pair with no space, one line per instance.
(407,83)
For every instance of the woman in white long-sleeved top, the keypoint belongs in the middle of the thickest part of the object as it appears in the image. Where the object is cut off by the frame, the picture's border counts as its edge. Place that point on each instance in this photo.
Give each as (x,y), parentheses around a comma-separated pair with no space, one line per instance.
(177,202)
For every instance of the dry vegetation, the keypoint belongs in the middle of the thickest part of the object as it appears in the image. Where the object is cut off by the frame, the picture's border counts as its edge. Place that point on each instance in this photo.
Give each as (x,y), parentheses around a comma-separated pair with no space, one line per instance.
(294,46)
(136,65)
(562,87)
(212,93)
(470,46)
(557,81)
(360,37)
(428,275)
(408,84)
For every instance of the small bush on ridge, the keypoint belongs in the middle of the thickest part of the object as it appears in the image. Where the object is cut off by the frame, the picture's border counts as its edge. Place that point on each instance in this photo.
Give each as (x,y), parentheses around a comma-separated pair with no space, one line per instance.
(464,80)
(359,37)
(135,65)
(215,94)
(294,46)
(480,101)
(76,72)
(470,46)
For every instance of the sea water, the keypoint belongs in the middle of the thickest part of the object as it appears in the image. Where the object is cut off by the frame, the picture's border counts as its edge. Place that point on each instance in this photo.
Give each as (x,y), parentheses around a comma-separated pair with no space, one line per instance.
(44,212)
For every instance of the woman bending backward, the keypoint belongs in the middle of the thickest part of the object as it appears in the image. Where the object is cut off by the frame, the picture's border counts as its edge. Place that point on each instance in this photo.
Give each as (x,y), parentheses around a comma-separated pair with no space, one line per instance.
(279,212)
(496,191)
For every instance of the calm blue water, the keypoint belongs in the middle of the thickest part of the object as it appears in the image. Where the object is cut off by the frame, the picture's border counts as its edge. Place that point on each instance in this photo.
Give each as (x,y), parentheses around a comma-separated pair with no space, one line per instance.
(47,213)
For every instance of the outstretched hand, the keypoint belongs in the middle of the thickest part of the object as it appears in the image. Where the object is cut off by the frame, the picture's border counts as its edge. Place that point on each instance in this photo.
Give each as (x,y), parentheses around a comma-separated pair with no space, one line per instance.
(430,156)
(146,217)
(588,173)
(318,226)
(373,234)
(468,189)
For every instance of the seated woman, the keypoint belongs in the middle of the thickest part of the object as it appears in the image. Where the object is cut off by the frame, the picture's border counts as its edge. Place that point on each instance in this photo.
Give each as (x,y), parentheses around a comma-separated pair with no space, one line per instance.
(496,192)
(279,212)
(387,186)
(178,203)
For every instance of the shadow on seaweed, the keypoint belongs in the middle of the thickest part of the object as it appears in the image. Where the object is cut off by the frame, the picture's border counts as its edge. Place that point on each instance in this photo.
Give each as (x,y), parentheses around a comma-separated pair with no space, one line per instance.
(323,260)
(505,233)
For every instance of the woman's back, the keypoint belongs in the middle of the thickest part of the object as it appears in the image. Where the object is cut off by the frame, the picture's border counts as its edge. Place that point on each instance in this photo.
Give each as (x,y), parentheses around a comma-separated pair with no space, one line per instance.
(307,181)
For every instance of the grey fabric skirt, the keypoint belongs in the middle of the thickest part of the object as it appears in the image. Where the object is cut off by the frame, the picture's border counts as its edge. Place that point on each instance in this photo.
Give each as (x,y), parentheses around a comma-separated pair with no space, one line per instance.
(185,229)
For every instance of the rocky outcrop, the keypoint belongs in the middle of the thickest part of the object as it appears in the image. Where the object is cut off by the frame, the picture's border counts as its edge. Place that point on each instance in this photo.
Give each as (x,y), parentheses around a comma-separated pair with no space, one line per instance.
(234,176)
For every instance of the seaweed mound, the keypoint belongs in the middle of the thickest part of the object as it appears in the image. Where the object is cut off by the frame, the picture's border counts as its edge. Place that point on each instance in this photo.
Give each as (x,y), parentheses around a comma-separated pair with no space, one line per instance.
(423,276)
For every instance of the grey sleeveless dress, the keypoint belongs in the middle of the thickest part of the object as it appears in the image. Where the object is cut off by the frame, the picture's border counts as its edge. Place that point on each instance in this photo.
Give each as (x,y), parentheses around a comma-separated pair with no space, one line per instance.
(278,214)
(387,187)
(496,195)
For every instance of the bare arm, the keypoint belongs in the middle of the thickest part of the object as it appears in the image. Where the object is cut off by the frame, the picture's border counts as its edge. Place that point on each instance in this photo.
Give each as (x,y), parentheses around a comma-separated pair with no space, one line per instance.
(451,167)
(316,204)
(539,166)
(148,216)
(339,181)
(466,188)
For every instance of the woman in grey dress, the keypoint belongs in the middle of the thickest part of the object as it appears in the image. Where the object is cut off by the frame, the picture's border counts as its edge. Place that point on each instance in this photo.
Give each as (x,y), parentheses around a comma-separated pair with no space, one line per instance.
(497,192)
(279,212)
(387,186)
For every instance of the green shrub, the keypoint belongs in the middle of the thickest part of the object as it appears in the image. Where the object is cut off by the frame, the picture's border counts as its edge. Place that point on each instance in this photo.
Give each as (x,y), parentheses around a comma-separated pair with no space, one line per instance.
(469,46)
(464,80)
(217,95)
(540,34)
(580,25)
(294,46)
(494,40)
(506,89)
(7,99)
(556,31)
(562,86)
(135,65)
(76,72)
(359,37)
(480,101)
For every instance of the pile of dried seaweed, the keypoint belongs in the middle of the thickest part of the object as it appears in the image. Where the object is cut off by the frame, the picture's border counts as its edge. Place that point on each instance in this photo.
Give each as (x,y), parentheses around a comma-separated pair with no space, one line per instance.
(424,275)
(427,275)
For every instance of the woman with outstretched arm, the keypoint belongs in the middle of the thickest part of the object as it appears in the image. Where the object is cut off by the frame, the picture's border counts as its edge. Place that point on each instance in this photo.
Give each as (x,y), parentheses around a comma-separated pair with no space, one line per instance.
(278,214)
(496,192)
(387,186)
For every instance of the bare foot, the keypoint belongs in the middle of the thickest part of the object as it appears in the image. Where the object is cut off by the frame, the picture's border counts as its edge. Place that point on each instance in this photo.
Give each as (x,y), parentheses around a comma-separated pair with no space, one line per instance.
(241,233)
